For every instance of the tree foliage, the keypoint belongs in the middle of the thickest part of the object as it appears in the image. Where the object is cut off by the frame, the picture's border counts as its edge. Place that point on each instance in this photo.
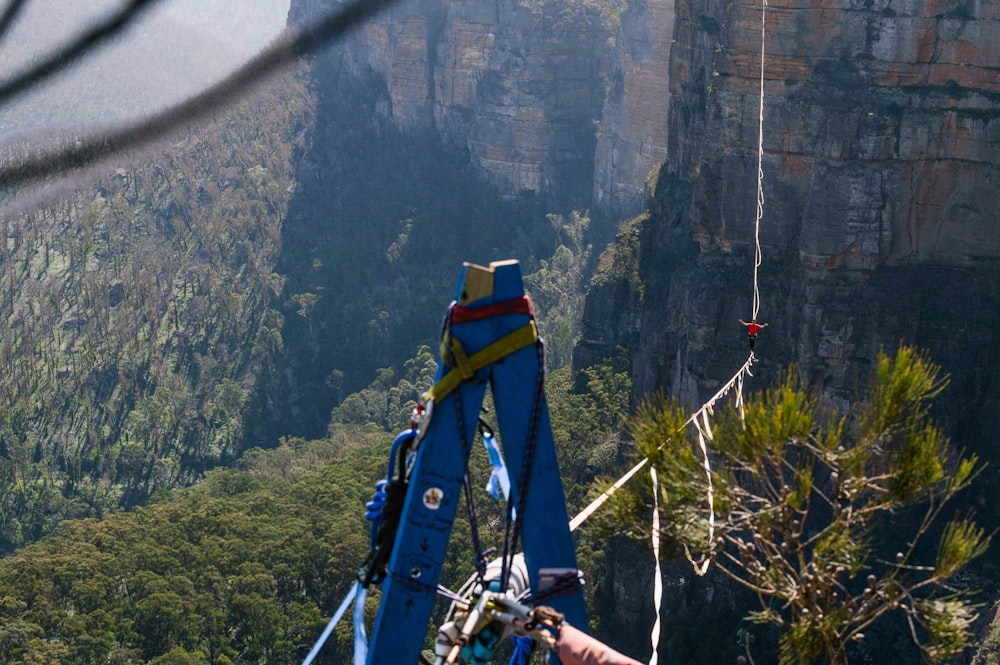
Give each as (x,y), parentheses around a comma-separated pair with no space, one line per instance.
(800,497)
(556,288)
(241,568)
(139,315)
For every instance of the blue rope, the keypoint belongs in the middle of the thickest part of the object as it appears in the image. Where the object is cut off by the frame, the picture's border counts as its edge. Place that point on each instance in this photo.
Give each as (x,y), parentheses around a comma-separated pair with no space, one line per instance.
(333,623)
(373,509)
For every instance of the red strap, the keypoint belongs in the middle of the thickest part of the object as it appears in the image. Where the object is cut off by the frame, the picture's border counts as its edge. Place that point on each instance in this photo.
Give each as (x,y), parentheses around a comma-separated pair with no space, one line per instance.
(520,305)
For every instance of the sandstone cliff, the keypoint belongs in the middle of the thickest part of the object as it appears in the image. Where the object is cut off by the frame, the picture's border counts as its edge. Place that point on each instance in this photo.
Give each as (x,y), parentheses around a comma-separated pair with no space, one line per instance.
(881,160)
(518,85)
(881,163)
(445,132)
(633,132)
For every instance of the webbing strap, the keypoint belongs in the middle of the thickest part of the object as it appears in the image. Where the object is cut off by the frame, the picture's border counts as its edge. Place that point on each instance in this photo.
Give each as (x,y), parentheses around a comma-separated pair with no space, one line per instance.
(360,638)
(736,381)
(654,636)
(332,623)
(461,314)
(524,336)
(499,477)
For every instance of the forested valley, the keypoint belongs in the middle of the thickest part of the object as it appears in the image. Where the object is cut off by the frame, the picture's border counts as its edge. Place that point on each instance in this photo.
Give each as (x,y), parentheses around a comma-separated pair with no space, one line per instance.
(210,347)
(147,329)
(141,317)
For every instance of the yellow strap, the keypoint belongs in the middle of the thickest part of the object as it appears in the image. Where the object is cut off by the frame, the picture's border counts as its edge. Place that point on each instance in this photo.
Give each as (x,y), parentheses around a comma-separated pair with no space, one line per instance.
(461,361)
(524,336)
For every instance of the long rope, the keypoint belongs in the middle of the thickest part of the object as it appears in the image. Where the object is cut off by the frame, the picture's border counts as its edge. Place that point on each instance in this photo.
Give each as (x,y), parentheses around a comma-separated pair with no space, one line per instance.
(332,623)
(760,169)
(10,13)
(58,61)
(706,408)
(654,636)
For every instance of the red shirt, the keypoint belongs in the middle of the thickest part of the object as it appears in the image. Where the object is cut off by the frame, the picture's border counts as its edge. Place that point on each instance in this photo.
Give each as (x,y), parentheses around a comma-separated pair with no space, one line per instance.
(753,328)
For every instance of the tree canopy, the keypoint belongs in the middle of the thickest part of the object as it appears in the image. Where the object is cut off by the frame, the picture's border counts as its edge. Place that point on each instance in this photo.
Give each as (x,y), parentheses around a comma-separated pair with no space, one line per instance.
(800,497)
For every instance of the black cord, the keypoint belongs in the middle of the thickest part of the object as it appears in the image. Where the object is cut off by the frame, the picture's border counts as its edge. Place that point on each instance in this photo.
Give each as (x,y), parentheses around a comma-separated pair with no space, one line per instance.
(66,56)
(9,14)
(99,146)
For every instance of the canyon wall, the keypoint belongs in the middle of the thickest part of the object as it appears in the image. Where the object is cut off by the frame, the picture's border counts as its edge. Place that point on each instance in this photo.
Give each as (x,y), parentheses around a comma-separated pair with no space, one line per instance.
(881,166)
(881,149)
(568,100)
(881,160)
(445,132)
(519,86)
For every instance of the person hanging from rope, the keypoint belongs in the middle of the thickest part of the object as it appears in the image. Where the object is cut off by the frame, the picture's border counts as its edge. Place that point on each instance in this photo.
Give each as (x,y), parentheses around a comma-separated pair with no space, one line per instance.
(752,329)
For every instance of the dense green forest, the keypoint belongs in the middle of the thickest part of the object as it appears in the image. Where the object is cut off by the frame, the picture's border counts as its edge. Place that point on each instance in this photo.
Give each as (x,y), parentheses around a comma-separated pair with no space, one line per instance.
(146,322)
(245,566)
(140,316)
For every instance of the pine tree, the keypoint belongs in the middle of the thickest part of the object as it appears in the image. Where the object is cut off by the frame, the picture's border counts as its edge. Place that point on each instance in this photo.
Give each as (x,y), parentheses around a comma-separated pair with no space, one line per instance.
(800,496)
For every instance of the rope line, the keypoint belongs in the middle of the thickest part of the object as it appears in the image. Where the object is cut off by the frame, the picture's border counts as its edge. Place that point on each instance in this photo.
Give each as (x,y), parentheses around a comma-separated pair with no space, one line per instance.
(10,13)
(470,503)
(55,62)
(760,169)
(71,155)
(702,568)
(332,623)
(513,529)
(735,382)
(654,636)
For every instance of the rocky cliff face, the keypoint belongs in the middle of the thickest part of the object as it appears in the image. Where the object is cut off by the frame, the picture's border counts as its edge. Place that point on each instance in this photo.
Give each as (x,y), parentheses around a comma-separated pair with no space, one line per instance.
(633,137)
(881,163)
(445,132)
(518,85)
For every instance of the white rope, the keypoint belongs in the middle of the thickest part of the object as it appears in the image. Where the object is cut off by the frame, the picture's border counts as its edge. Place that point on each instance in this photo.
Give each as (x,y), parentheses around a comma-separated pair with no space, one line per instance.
(760,169)
(585,514)
(739,400)
(654,636)
(702,568)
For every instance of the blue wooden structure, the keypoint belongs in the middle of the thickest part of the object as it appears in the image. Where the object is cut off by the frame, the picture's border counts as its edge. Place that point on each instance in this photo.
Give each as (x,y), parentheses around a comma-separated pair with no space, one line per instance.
(489,339)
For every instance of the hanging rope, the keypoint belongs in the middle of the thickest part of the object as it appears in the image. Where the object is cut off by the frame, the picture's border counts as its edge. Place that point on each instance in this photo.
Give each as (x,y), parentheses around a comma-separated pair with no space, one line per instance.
(513,521)
(735,382)
(654,636)
(702,568)
(760,170)
(360,637)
